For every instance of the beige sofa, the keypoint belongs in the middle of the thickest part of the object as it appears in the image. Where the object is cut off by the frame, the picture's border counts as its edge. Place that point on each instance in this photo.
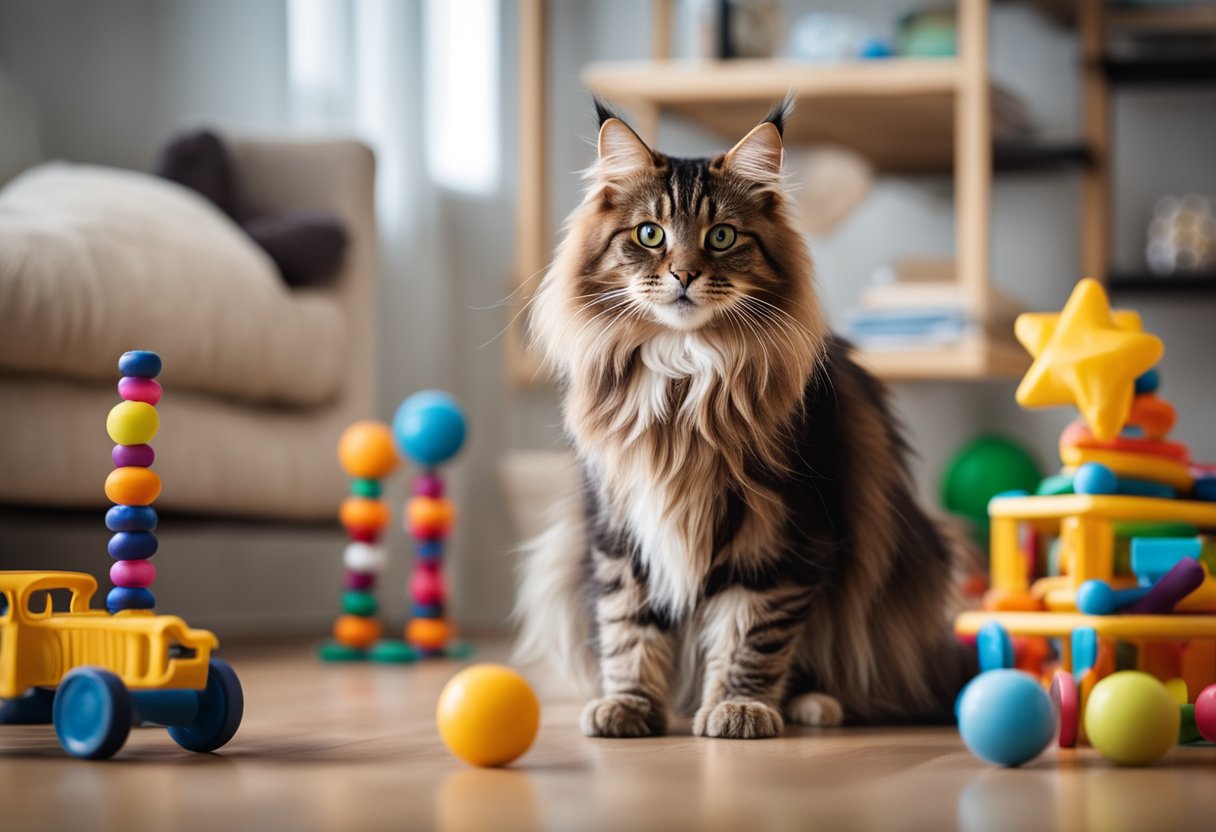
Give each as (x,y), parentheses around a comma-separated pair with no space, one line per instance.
(246,430)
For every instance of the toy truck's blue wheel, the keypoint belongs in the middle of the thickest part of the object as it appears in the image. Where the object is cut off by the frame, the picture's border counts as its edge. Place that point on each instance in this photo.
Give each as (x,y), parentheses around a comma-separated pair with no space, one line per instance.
(92,713)
(220,707)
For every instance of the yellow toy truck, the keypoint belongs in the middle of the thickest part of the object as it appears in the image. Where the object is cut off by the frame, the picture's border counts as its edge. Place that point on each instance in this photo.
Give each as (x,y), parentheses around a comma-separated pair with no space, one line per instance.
(93,675)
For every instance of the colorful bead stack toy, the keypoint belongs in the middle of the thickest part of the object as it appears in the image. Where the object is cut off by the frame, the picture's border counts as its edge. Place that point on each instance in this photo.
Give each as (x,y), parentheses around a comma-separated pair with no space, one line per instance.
(132,485)
(365,451)
(429,428)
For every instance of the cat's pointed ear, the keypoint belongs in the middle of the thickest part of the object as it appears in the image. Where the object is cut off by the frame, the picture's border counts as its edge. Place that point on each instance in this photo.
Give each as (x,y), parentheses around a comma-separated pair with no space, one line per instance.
(621,151)
(758,155)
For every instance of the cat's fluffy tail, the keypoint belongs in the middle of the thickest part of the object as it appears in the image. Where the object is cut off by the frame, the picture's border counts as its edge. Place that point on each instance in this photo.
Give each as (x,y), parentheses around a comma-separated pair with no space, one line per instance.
(552,609)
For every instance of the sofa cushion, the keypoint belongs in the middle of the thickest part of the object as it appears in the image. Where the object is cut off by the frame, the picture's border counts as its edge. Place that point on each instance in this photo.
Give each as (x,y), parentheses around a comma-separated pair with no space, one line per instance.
(96,261)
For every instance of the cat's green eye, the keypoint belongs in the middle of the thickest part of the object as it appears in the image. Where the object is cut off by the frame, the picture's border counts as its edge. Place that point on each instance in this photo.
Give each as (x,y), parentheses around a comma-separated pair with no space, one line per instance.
(649,235)
(720,238)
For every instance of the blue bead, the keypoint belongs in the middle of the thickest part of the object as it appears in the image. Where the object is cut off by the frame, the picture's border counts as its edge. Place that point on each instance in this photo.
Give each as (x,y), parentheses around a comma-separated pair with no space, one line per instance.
(139,364)
(995,647)
(132,545)
(1205,489)
(131,519)
(430,550)
(427,610)
(429,427)
(1095,478)
(126,598)
(1148,383)
(1144,488)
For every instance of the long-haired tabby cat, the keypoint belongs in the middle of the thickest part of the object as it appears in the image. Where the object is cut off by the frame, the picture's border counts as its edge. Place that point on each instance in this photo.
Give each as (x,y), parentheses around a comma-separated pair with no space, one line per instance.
(746,543)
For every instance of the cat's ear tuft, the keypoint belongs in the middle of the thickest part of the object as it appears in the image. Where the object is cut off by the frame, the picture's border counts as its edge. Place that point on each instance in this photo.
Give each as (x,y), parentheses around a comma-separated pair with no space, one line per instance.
(758,155)
(621,151)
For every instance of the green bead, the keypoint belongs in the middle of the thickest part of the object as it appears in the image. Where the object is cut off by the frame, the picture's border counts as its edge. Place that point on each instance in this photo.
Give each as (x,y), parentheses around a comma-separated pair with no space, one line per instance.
(1055,484)
(1187,730)
(359,603)
(388,651)
(459,650)
(366,488)
(331,651)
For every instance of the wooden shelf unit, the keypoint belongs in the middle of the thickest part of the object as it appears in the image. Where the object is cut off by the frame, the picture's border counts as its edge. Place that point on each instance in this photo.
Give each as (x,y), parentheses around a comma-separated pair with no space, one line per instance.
(905,115)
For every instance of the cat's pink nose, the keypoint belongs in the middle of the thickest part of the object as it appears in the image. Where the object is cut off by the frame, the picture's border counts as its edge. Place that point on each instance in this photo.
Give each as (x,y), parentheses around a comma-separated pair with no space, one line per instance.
(685,276)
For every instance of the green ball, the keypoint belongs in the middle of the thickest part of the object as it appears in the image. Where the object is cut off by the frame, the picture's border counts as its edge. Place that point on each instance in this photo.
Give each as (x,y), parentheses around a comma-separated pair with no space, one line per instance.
(359,603)
(388,651)
(366,488)
(1131,718)
(983,468)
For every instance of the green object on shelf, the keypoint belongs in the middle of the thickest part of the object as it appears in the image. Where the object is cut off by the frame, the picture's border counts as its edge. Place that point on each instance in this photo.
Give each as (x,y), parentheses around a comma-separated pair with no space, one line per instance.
(332,651)
(366,488)
(928,34)
(355,602)
(1054,485)
(388,651)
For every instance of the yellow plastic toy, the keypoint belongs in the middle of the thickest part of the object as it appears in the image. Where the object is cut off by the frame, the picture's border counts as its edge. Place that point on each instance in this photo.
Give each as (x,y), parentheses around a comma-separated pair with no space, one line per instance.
(92,674)
(488,715)
(1043,548)
(1085,357)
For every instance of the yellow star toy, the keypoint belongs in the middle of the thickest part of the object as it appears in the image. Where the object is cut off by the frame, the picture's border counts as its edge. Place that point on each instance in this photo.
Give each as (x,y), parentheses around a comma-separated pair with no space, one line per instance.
(1087,357)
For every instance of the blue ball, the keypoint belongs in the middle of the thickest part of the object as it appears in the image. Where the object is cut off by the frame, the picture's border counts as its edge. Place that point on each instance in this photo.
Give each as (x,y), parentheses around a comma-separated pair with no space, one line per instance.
(1148,383)
(426,610)
(1095,478)
(131,519)
(139,364)
(1006,717)
(1096,598)
(126,598)
(429,427)
(132,545)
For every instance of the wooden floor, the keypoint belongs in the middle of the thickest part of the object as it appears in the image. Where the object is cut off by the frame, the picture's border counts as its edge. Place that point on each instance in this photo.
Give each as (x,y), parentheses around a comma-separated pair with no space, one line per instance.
(332,747)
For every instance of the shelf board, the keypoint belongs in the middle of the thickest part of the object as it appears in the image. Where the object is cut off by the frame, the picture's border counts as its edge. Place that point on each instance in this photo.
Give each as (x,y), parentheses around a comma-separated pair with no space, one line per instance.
(1144,283)
(1186,69)
(974,359)
(898,112)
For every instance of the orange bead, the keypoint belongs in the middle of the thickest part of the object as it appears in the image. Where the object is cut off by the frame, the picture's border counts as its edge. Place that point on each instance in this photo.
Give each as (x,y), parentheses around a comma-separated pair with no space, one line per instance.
(132,486)
(366,450)
(357,631)
(362,513)
(430,516)
(428,633)
(1154,416)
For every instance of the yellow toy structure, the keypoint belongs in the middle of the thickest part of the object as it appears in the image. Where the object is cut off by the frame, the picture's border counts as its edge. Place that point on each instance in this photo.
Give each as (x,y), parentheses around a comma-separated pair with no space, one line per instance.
(1045,547)
(37,649)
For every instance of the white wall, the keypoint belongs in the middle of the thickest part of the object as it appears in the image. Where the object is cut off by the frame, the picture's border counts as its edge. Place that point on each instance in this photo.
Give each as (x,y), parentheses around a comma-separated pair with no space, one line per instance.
(114,79)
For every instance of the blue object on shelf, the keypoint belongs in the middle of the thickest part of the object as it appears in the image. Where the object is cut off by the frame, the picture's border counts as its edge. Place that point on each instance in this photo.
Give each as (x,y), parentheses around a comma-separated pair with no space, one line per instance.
(1152,557)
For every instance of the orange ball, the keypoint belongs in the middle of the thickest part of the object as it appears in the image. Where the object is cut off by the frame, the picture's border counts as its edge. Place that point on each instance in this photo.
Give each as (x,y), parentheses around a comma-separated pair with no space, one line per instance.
(366,450)
(357,631)
(430,516)
(360,512)
(132,486)
(1153,415)
(428,633)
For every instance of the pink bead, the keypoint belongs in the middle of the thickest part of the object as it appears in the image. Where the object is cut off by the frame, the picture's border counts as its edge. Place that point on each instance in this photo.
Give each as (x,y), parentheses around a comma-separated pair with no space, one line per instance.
(429,485)
(426,586)
(140,389)
(133,456)
(134,574)
(362,581)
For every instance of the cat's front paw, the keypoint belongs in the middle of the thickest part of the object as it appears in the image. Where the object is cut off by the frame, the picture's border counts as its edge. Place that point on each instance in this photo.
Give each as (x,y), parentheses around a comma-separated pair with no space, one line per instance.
(815,709)
(740,719)
(623,715)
